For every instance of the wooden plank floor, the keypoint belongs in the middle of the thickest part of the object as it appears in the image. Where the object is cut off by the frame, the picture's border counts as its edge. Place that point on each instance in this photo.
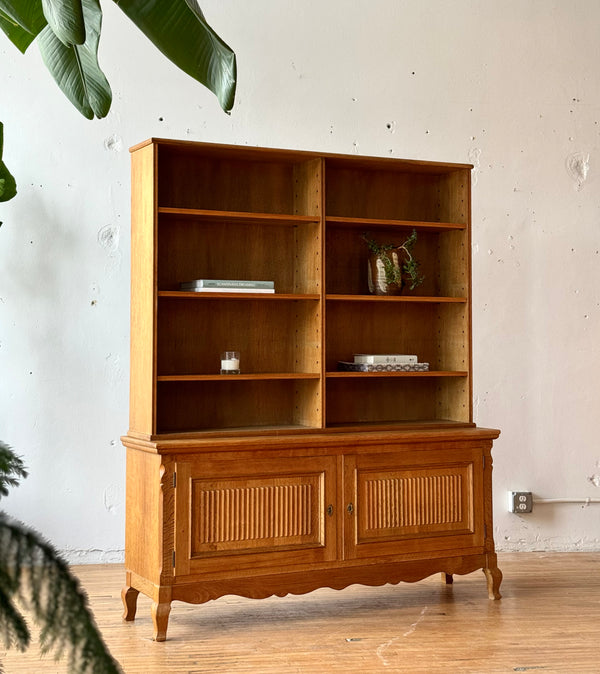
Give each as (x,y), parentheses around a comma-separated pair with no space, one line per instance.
(547,621)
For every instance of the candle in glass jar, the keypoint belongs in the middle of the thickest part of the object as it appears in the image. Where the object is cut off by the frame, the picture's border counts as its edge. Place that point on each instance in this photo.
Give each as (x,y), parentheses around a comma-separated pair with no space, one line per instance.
(230,362)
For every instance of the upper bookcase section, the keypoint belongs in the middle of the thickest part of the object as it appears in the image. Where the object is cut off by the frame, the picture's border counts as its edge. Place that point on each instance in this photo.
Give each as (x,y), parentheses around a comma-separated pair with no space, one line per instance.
(225,178)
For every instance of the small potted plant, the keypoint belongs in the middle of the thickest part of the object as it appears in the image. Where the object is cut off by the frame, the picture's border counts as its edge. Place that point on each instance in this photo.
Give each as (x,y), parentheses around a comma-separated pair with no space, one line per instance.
(392,268)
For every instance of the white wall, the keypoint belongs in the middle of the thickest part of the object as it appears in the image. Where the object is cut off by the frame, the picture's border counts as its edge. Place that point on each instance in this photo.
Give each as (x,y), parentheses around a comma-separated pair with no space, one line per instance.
(511,86)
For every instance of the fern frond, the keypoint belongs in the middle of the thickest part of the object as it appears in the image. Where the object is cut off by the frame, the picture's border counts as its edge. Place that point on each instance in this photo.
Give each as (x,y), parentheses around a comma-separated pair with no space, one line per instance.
(36,574)
(13,628)
(11,469)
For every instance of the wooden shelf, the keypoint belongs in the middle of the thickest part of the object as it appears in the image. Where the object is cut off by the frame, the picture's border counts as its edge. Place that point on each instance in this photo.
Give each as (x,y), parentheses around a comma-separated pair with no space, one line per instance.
(185,295)
(292,429)
(224,378)
(236,431)
(181,294)
(399,375)
(396,298)
(240,217)
(419,424)
(304,375)
(365,223)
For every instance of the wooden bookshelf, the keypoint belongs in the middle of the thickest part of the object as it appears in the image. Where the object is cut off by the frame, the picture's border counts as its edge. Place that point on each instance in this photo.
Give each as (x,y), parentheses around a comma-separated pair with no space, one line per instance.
(245,483)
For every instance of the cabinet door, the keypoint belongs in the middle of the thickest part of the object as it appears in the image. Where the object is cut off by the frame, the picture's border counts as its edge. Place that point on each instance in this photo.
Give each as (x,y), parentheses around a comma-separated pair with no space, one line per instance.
(413,502)
(253,514)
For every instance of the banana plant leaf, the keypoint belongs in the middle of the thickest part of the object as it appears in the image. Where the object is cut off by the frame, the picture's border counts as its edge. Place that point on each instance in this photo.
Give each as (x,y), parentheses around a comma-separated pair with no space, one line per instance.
(20,37)
(22,21)
(25,13)
(65,17)
(75,68)
(69,31)
(8,186)
(179,30)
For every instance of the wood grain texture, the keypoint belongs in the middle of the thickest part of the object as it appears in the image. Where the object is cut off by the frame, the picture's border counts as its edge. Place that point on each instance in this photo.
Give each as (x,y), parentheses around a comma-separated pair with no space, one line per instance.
(403,501)
(384,440)
(411,503)
(271,337)
(547,621)
(160,619)
(376,193)
(299,582)
(254,514)
(143,290)
(144,543)
(189,406)
(244,518)
(220,248)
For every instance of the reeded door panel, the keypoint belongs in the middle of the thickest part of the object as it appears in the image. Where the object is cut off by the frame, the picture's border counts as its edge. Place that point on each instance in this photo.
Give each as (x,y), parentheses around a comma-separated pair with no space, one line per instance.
(253,514)
(413,502)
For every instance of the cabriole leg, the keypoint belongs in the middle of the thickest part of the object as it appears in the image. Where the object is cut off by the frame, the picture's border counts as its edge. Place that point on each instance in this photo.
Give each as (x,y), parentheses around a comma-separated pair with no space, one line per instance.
(129,596)
(160,618)
(494,578)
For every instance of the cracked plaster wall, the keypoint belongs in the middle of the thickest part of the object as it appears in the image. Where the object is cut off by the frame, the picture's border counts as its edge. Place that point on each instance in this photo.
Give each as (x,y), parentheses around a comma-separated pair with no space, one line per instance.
(511,87)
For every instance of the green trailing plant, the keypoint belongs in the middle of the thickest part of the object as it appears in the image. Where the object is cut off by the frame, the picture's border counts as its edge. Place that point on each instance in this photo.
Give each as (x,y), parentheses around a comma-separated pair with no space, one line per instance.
(34,575)
(407,271)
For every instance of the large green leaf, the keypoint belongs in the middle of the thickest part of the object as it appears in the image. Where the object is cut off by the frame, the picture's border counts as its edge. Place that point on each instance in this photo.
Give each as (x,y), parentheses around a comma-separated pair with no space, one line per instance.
(8,186)
(25,13)
(76,69)
(20,37)
(65,17)
(179,30)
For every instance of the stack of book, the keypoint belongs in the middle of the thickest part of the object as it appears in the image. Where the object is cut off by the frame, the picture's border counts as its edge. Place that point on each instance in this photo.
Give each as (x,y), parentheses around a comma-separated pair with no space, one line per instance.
(204,285)
(383,362)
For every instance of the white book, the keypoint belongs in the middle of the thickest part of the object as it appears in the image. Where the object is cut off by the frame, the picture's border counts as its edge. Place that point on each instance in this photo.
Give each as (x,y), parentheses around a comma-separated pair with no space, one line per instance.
(385,358)
(226,283)
(229,290)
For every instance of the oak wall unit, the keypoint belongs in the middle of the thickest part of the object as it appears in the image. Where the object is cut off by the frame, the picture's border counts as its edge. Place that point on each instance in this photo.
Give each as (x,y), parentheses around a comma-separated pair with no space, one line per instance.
(294,475)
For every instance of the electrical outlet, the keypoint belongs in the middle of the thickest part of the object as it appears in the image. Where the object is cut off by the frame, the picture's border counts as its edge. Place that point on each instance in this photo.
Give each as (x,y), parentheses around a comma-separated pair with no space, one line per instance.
(520,502)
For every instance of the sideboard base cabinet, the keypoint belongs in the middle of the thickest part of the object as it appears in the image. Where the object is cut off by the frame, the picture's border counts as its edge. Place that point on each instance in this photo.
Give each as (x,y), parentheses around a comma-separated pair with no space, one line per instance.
(298,472)
(274,517)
